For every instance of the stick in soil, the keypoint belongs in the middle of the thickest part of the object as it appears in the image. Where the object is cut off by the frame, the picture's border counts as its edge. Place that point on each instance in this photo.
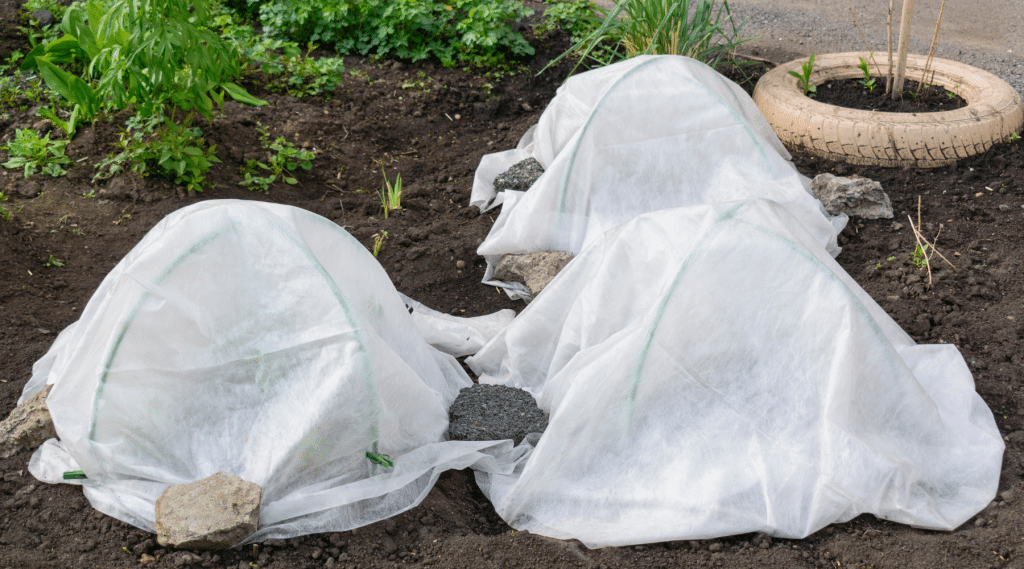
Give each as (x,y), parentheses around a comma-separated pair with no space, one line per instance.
(901,57)
(931,50)
(888,80)
(871,54)
(926,246)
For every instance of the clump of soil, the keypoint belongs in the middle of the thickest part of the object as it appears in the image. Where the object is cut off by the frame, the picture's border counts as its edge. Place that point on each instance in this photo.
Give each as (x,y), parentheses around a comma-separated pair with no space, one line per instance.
(917,98)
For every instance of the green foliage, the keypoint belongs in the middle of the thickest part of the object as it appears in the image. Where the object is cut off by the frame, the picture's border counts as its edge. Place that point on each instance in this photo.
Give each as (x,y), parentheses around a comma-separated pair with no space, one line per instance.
(54,262)
(703,30)
(143,52)
(30,152)
(284,158)
(579,19)
(68,126)
(301,74)
(1014,136)
(390,196)
(19,88)
(378,242)
(477,32)
(867,82)
(158,145)
(805,77)
(919,257)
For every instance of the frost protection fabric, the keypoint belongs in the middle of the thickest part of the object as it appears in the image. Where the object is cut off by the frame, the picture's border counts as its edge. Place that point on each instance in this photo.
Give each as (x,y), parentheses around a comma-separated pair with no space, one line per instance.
(648,133)
(259,340)
(711,371)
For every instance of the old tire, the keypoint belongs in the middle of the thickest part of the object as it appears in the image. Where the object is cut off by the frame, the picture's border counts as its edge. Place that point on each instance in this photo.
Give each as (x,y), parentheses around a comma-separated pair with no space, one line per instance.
(925,140)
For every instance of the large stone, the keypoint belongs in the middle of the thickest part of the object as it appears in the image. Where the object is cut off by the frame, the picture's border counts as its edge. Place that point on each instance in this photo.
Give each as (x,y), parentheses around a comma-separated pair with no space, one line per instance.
(854,196)
(27,426)
(535,270)
(213,513)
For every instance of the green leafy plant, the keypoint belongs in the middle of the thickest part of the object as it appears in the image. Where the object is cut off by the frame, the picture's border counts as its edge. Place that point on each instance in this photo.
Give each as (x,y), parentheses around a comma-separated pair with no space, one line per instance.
(867,82)
(284,158)
(378,241)
(54,262)
(381,459)
(30,152)
(5,214)
(143,52)
(68,126)
(91,194)
(1014,136)
(473,32)
(918,258)
(301,73)
(703,30)
(805,77)
(391,196)
(158,145)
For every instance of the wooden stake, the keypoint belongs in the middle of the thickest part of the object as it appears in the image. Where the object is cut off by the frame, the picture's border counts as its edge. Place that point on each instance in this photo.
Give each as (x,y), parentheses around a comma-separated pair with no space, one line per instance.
(888,79)
(901,64)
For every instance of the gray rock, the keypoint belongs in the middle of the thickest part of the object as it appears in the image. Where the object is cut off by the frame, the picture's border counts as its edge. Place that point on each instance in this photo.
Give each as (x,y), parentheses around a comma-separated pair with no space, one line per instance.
(27,426)
(213,513)
(29,190)
(1009,496)
(519,177)
(494,413)
(44,17)
(535,270)
(854,196)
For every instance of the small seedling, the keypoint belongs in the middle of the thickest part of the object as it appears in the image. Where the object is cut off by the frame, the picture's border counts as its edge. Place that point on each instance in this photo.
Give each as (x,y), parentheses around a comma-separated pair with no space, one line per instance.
(867,81)
(284,158)
(378,242)
(919,256)
(54,262)
(391,196)
(381,459)
(805,77)
(91,194)
(1014,136)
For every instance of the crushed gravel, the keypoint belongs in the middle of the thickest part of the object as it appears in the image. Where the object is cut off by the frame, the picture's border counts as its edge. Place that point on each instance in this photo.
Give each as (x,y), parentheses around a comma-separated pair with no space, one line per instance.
(494,413)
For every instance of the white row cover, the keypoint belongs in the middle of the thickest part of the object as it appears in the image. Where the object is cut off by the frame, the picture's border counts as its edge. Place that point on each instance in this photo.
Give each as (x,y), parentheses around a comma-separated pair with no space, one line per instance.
(648,133)
(264,341)
(711,371)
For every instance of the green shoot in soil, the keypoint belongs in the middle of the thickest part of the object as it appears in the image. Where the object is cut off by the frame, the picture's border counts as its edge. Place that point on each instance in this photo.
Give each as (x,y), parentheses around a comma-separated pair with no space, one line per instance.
(284,158)
(805,77)
(867,81)
(1014,136)
(378,241)
(54,262)
(391,196)
(28,151)
(919,256)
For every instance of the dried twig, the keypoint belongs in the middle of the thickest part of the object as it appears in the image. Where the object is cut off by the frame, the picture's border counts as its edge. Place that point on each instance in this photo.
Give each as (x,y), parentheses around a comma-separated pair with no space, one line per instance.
(927,249)
(931,50)
(871,54)
(888,81)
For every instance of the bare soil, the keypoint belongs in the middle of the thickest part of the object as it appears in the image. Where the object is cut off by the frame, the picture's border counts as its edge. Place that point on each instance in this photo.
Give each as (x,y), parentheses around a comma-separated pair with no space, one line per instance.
(435,140)
(916,98)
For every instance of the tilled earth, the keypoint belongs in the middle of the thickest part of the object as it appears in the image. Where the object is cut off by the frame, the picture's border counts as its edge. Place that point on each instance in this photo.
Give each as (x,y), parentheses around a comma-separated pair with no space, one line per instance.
(435,139)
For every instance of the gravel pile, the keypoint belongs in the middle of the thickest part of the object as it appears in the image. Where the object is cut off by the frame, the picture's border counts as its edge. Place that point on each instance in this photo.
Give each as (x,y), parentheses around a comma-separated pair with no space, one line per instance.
(520,176)
(494,413)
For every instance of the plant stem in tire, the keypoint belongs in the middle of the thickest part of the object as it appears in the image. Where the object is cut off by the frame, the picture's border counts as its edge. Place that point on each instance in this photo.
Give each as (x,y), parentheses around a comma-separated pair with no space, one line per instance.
(805,77)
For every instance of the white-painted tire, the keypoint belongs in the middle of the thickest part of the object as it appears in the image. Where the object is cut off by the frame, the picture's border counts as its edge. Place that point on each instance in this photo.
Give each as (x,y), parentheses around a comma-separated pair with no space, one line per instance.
(924,140)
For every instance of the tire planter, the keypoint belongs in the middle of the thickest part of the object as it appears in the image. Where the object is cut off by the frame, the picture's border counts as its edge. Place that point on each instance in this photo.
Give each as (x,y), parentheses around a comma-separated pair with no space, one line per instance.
(923,140)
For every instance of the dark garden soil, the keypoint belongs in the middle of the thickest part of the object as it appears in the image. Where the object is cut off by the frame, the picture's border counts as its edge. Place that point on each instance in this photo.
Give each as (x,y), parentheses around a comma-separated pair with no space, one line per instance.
(435,139)
(852,94)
